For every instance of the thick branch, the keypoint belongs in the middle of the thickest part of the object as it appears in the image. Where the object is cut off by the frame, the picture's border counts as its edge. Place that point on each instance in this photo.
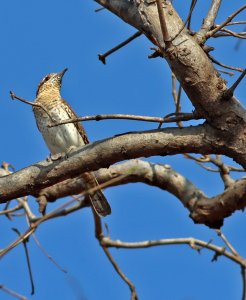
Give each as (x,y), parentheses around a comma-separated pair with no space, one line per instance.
(204,210)
(168,141)
(161,176)
(190,64)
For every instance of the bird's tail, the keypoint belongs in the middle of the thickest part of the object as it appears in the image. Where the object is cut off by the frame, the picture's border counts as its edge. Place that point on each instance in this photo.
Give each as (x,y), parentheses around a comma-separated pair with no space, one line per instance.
(97,198)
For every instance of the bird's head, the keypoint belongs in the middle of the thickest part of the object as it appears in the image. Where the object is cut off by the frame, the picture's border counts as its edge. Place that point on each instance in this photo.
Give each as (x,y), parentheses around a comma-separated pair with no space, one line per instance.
(51,81)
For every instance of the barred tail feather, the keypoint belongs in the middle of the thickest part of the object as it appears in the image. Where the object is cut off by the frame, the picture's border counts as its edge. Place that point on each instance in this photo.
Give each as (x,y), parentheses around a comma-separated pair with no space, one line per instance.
(100,203)
(98,200)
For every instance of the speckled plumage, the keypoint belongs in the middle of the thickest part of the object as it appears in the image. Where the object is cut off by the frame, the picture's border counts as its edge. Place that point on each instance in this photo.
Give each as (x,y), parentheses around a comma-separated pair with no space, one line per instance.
(62,138)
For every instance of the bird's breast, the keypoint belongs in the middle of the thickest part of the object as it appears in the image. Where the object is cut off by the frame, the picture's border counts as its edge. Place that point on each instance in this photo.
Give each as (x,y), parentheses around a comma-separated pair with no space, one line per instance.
(59,138)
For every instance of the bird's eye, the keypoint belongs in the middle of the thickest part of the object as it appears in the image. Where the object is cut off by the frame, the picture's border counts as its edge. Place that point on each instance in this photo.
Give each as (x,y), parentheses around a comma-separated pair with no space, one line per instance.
(46,78)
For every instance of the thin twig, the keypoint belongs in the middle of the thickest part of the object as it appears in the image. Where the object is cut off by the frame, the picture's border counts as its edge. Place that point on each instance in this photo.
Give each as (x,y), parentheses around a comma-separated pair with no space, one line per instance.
(102,57)
(239,42)
(225,72)
(192,6)
(224,65)
(235,23)
(53,214)
(99,9)
(228,20)
(223,169)
(234,169)
(26,207)
(12,293)
(208,21)
(176,98)
(165,34)
(232,34)
(167,119)
(177,241)
(13,96)
(100,236)
(7,211)
(231,90)
(121,274)
(228,244)
(178,117)
(28,261)
(244,282)
(47,254)
(240,35)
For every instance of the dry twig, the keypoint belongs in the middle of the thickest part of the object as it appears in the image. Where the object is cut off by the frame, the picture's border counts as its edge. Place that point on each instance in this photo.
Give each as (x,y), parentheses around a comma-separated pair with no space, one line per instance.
(12,293)
(102,57)
(223,24)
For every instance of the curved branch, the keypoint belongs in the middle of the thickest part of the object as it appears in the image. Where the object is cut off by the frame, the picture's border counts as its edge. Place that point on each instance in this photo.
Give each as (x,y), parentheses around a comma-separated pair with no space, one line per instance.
(204,210)
(162,176)
(168,141)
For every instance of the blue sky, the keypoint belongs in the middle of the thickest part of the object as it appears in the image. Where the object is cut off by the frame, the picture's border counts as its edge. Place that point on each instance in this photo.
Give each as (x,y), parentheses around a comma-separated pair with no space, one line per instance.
(42,37)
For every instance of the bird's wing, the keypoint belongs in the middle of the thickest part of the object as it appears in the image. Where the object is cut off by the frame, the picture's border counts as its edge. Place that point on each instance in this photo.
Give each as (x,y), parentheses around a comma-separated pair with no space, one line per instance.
(72,115)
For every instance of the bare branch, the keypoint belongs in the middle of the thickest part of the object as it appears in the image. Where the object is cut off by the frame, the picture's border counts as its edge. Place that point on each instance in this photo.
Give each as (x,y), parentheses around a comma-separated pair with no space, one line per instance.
(192,74)
(228,244)
(102,57)
(177,97)
(227,33)
(28,260)
(224,65)
(228,20)
(192,6)
(100,236)
(228,94)
(226,72)
(180,117)
(10,210)
(12,293)
(13,96)
(236,23)
(208,21)
(177,241)
(53,214)
(165,34)
(106,152)
(47,254)
(122,275)
(203,209)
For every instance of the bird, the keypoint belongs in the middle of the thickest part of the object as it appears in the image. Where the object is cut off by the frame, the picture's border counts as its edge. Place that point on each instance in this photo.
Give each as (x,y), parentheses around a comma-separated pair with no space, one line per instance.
(63,138)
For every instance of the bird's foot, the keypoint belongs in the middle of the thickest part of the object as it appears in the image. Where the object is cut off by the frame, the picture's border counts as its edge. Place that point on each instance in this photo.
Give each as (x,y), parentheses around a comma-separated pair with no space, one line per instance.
(57,156)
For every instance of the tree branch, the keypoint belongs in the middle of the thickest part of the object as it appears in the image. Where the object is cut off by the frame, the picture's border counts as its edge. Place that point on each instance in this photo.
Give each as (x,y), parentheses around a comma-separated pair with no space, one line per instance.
(179,117)
(203,209)
(102,57)
(168,141)
(208,21)
(217,28)
(189,62)
(177,241)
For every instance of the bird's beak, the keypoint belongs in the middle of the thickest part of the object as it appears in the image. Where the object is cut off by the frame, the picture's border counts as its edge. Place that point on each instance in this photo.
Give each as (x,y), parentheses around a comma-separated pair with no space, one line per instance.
(61,74)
